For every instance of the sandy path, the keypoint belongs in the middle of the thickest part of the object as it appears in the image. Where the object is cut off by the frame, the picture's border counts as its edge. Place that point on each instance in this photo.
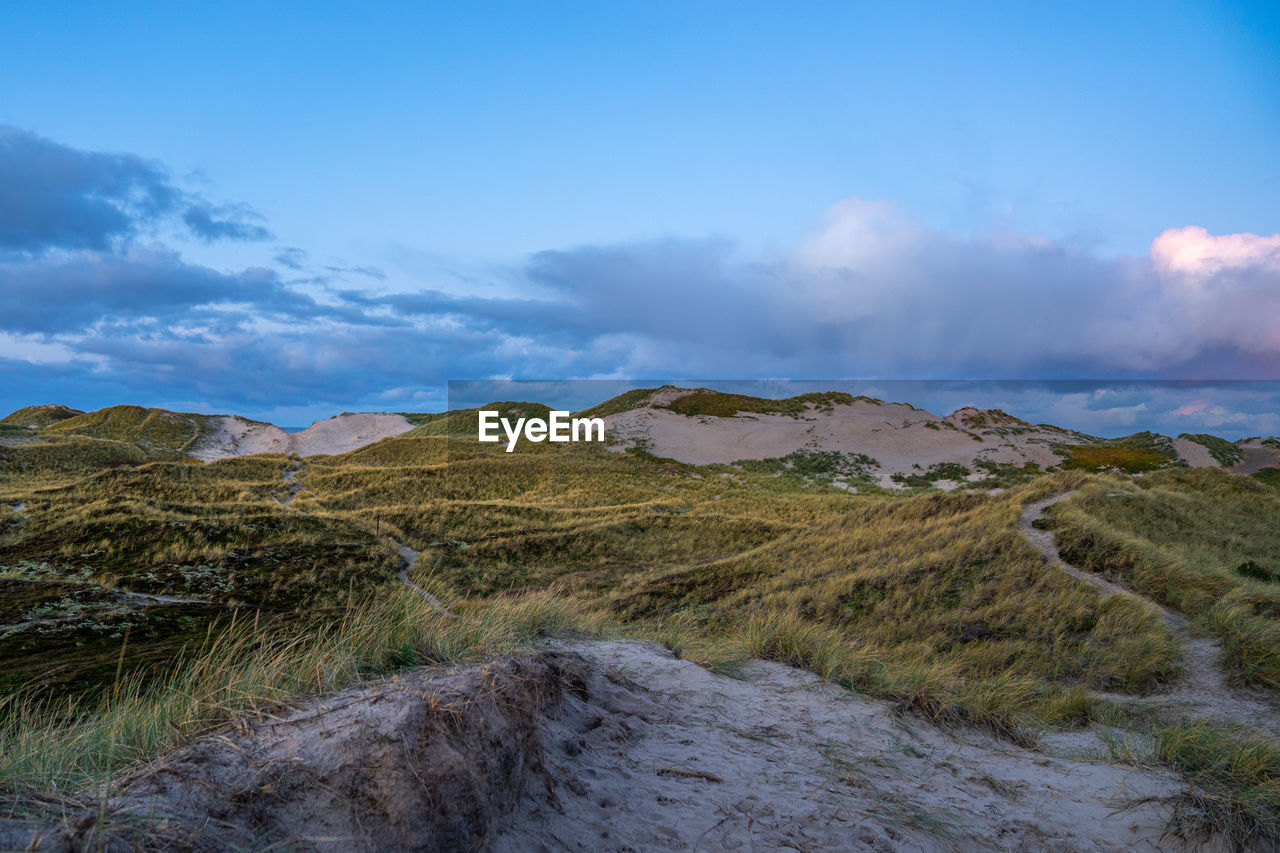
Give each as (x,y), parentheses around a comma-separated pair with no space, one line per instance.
(1202,691)
(613,747)
(292,478)
(409,559)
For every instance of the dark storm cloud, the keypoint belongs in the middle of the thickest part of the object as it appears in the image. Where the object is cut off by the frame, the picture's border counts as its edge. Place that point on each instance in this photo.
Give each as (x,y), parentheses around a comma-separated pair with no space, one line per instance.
(53,196)
(297,366)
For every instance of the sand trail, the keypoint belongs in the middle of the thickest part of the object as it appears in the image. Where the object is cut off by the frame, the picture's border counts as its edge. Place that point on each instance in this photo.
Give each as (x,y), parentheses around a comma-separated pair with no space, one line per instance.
(1202,690)
(409,559)
(292,479)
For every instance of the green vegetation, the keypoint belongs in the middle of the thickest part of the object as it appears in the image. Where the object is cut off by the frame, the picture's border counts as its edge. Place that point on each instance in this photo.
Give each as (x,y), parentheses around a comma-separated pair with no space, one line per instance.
(1270,476)
(934,601)
(37,417)
(465,423)
(157,432)
(992,418)
(624,402)
(1143,451)
(1180,537)
(706,403)
(1226,453)
(239,667)
(1235,782)
(952,471)
(49,456)
(821,466)
(1004,475)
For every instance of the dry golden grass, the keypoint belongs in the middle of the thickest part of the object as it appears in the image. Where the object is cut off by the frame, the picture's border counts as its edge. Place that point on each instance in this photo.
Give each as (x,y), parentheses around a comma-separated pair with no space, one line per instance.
(934,601)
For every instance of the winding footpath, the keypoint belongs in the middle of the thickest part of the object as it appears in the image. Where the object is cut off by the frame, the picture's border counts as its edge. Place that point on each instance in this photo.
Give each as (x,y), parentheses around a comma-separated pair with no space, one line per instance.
(409,559)
(1202,691)
(292,478)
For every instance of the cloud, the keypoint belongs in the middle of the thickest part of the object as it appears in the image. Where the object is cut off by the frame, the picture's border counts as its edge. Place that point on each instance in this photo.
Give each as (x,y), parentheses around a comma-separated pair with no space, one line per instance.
(290,257)
(59,197)
(1224,290)
(874,293)
(146,285)
(203,222)
(1192,253)
(88,296)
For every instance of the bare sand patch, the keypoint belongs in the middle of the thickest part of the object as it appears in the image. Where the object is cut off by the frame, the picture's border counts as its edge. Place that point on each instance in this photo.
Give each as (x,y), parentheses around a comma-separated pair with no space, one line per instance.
(1194,453)
(614,746)
(901,438)
(1256,457)
(237,436)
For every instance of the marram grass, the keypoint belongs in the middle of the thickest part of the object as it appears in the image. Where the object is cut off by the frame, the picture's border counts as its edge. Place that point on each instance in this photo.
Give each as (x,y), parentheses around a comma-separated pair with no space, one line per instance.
(242,670)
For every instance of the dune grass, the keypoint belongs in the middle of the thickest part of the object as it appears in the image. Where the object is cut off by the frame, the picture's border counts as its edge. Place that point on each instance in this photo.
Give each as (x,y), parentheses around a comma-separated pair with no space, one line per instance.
(1134,454)
(1201,541)
(933,601)
(1235,782)
(241,668)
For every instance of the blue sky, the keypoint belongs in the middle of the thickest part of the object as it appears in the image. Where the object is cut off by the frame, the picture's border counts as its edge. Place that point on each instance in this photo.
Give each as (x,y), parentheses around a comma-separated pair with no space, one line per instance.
(353,203)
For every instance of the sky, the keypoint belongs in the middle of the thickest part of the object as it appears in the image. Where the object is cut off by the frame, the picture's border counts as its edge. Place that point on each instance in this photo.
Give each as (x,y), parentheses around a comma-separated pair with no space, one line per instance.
(288,210)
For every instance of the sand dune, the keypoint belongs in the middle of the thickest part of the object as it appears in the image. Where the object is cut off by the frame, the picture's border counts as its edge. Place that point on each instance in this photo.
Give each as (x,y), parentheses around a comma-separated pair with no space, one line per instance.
(900,437)
(1194,453)
(237,436)
(1256,457)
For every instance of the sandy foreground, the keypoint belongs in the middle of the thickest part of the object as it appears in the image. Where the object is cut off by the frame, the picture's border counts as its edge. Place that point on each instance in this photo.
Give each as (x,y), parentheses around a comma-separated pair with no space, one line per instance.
(668,756)
(619,746)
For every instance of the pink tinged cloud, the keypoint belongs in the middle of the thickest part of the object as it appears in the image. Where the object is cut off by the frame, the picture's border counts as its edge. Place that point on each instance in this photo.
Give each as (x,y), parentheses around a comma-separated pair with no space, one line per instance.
(1192,408)
(1224,287)
(1195,253)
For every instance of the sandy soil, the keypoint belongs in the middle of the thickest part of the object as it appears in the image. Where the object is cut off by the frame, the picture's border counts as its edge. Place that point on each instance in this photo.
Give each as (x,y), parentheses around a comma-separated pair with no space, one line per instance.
(1256,457)
(615,746)
(896,435)
(409,559)
(425,761)
(663,755)
(1202,690)
(237,436)
(1194,453)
